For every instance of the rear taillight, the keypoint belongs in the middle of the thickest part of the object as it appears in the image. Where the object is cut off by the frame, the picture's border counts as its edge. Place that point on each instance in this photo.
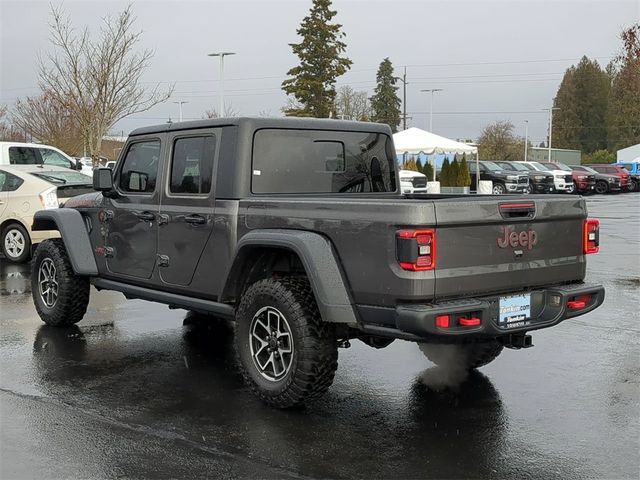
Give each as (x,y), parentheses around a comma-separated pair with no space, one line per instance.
(416,249)
(591,236)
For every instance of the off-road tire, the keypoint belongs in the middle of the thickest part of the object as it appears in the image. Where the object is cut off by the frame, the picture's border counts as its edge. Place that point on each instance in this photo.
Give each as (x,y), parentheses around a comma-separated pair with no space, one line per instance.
(465,355)
(601,187)
(73,290)
(315,352)
(26,252)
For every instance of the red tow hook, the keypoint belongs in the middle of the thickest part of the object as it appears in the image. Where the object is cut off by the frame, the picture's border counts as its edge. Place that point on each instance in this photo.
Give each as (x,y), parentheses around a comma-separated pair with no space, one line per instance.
(579,303)
(469,322)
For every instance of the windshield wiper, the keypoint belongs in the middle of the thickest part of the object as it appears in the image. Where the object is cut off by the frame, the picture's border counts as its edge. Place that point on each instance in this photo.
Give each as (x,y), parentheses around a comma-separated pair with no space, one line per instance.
(51,177)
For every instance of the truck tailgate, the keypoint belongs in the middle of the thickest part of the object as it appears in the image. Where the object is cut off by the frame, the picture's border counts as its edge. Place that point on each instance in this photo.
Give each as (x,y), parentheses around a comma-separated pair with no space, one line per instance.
(491,246)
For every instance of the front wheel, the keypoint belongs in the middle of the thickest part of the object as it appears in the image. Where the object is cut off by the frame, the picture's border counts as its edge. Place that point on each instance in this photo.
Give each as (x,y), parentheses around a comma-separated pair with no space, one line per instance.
(529,188)
(499,189)
(601,187)
(633,185)
(572,189)
(465,356)
(16,243)
(60,296)
(287,353)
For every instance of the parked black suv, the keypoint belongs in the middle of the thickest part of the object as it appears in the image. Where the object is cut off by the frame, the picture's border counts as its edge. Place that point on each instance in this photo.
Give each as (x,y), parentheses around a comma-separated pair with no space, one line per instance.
(296,229)
(539,182)
(605,182)
(504,181)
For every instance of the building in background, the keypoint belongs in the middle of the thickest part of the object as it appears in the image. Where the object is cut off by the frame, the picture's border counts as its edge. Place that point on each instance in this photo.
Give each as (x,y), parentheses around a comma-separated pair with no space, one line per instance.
(562,155)
(628,154)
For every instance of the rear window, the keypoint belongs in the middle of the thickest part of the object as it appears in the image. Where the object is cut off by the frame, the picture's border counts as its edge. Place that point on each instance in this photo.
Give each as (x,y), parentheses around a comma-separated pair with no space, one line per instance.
(61,177)
(309,161)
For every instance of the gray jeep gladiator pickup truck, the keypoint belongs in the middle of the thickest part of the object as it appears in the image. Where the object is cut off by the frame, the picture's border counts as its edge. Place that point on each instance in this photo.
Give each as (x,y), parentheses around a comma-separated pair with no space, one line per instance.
(296,229)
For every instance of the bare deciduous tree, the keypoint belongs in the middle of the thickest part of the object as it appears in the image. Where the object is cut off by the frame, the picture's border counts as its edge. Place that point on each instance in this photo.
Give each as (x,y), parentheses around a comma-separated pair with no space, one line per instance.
(9,132)
(47,120)
(352,104)
(229,112)
(98,81)
(498,142)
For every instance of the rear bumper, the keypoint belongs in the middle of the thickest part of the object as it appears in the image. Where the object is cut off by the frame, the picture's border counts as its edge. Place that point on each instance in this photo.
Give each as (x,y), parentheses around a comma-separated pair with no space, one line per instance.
(416,322)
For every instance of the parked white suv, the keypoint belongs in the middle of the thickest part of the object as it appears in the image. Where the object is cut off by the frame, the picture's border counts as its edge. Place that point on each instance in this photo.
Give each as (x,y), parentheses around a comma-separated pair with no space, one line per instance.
(413,182)
(562,181)
(17,153)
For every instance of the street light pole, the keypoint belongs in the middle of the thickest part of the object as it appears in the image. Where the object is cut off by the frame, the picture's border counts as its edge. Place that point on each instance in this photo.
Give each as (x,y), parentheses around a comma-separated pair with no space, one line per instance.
(432,90)
(550,128)
(180,105)
(221,55)
(526,138)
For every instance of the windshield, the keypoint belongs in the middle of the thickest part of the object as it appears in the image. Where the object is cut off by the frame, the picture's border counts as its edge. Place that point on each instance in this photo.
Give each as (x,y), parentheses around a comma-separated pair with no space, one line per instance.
(528,167)
(493,167)
(539,166)
(63,176)
(582,168)
(559,166)
(519,167)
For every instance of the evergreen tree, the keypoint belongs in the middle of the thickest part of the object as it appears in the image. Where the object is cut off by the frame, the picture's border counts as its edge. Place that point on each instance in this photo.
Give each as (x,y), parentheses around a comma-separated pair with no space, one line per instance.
(312,83)
(623,116)
(453,174)
(582,99)
(464,177)
(428,171)
(445,173)
(419,164)
(385,103)
(411,165)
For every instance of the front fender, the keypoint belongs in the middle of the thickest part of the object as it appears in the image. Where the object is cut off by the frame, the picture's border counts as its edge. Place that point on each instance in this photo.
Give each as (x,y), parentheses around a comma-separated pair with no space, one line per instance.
(320,264)
(74,234)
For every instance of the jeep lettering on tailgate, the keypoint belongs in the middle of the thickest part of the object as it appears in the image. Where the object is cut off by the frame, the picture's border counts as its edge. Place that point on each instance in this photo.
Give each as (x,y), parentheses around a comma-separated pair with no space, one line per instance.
(511,238)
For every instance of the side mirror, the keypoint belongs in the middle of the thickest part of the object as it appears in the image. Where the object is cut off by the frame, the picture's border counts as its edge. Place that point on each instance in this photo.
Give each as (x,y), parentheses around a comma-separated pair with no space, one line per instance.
(103,179)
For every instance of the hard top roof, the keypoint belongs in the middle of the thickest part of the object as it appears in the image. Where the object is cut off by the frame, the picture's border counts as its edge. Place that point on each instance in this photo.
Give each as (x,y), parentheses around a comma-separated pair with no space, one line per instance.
(261,122)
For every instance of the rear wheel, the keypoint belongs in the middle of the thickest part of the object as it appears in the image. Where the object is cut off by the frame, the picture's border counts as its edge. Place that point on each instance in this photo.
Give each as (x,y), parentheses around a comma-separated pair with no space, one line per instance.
(60,296)
(16,243)
(288,354)
(499,189)
(466,356)
(601,187)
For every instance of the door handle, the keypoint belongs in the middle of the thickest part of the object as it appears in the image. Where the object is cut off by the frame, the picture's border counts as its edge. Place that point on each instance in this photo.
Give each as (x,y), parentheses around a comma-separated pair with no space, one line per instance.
(146,216)
(195,219)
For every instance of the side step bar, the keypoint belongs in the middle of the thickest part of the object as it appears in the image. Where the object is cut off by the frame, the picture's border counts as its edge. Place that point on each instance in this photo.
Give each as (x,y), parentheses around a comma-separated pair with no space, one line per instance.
(172,299)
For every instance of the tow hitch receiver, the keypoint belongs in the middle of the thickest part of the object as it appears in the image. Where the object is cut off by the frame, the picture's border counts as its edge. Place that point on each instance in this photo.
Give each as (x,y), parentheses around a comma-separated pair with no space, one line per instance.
(517,342)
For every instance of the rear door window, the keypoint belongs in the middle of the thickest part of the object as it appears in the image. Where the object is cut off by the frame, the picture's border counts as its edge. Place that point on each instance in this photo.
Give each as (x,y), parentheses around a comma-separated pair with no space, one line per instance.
(24,156)
(315,161)
(140,167)
(192,165)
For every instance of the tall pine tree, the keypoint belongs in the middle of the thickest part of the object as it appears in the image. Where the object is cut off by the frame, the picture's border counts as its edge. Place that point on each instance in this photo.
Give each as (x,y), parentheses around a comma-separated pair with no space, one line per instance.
(312,83)
(624,103)
(385,103)
(582,99)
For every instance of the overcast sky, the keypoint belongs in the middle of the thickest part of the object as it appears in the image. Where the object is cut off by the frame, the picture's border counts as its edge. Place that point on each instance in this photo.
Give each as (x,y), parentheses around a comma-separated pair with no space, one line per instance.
(493,60)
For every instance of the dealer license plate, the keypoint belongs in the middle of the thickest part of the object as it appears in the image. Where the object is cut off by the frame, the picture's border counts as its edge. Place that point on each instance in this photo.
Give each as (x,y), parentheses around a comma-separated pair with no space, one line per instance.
(514,309)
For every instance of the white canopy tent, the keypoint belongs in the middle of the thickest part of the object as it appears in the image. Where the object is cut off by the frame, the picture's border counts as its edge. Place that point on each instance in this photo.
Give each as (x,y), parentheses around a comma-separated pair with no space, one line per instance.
(415,141)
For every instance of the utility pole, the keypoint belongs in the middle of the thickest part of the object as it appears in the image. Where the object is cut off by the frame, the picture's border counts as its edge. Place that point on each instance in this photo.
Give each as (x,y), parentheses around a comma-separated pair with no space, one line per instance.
(432,90)
(221,55)
(526,138)
(180,105)
(550,128)
(403,79)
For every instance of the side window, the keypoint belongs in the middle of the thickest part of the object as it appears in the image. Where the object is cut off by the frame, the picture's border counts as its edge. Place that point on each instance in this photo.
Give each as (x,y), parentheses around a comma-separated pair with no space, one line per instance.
(51,157)
(9,182)
(140,167)
(611,170)
(192,165)
(24,156)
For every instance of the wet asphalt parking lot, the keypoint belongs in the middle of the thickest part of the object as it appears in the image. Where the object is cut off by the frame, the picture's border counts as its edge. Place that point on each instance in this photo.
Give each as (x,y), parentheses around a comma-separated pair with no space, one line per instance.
(140,391)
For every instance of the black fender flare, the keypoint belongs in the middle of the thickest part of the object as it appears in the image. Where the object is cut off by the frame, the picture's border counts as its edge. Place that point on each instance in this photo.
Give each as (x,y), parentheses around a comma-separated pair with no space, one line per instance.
(74,234)
(319,260)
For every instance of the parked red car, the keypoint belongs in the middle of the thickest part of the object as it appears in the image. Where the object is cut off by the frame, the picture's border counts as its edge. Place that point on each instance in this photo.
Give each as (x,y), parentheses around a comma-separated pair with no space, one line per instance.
(584,182)
(617,170)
